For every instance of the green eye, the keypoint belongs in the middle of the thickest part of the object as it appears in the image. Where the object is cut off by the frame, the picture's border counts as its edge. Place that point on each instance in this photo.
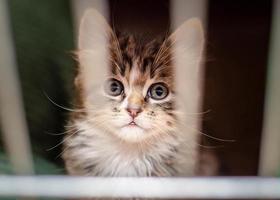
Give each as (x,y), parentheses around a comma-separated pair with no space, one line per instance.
(114,87)
(158,91)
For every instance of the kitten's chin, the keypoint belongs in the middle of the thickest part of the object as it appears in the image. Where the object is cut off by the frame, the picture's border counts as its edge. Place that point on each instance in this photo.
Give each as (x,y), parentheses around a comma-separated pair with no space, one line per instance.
(132,133)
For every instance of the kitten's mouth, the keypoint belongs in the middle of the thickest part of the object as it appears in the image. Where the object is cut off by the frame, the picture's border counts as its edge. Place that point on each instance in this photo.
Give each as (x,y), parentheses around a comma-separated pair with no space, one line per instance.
(133,124)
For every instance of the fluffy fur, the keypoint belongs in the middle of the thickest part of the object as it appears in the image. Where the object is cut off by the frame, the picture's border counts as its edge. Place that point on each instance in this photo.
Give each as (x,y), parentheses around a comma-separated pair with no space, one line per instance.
(100,141)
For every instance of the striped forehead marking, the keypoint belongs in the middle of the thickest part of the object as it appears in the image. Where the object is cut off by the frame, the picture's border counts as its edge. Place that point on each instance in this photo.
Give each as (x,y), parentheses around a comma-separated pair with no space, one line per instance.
(134,73)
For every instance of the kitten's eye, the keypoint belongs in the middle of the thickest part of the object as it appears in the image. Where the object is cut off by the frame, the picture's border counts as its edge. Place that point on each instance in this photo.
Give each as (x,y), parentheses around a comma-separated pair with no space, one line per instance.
(158,91)
(113,87)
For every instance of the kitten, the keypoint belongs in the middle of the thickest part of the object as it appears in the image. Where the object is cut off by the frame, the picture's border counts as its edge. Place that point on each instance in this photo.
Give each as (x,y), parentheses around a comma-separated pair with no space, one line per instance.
(130,126)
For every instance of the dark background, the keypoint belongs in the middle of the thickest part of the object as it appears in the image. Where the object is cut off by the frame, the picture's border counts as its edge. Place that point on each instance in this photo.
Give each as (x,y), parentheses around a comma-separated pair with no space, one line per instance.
(236,60)
(238,36)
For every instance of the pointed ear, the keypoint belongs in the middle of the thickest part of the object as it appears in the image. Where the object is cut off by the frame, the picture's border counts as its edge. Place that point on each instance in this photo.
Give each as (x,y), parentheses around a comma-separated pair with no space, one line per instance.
(93,50)
(187,45)
(189,38)
(94,31)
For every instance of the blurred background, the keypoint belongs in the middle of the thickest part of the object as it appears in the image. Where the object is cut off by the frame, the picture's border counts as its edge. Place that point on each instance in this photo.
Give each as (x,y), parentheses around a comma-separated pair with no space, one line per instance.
(237,60)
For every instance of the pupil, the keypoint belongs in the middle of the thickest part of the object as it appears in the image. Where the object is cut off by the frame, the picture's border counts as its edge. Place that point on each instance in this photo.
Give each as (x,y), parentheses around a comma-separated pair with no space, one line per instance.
(159,91)
(114,87)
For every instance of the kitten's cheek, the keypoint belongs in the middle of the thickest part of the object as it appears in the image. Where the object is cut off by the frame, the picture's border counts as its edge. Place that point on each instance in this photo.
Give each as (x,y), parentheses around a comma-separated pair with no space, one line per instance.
(144,123)
(120,122)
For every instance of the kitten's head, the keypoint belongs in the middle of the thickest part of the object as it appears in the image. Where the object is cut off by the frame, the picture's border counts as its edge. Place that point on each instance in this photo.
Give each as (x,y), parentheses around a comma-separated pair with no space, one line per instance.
(127,84)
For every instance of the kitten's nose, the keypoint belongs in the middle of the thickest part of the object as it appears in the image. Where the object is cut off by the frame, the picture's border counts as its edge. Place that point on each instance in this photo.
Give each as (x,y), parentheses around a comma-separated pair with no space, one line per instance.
(133,112)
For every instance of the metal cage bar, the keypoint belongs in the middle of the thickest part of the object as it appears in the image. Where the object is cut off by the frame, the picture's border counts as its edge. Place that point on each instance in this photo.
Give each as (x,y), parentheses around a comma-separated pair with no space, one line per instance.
(14,127)
(176,188)
(270,148)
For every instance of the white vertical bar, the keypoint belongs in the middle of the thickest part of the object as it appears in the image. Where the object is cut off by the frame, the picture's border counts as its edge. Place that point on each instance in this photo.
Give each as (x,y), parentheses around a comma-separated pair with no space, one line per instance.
(92,36)
(12,115)
(270,148)
(189,77)
(182,10)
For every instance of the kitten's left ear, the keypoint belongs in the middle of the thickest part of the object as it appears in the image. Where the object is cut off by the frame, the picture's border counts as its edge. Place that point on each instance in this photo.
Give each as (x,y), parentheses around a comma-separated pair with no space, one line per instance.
(187,48)
(187,43)
(189,38)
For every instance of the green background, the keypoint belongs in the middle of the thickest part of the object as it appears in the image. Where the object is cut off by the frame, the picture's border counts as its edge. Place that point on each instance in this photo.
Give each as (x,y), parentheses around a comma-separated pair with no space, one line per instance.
(43,38)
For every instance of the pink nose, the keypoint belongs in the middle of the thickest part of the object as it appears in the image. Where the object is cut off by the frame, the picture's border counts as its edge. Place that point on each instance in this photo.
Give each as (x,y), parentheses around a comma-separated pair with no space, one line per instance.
(133,112)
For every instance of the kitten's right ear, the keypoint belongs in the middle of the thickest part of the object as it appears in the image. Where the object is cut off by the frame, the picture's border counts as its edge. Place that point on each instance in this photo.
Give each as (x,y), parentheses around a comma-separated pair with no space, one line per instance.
(94,31)
(93,50)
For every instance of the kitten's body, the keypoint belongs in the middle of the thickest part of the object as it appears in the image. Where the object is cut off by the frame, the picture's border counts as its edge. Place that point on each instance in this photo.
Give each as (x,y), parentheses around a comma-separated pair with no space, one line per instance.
(131,134)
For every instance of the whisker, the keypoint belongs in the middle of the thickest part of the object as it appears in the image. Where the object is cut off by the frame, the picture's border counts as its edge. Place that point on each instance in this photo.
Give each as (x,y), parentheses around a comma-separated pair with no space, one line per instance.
(210,147)
(64,140)
(200,113)
(62,152)
(55,134)
(89,110)
(63,107)
(209,136)
(61,133)
(200,145)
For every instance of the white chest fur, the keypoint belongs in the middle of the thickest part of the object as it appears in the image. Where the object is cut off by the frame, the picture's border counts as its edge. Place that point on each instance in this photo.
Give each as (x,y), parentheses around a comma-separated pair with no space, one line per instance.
(95,153)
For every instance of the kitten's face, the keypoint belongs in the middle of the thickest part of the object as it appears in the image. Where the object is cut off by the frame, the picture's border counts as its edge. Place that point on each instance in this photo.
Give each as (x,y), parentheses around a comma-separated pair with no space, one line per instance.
(138,90)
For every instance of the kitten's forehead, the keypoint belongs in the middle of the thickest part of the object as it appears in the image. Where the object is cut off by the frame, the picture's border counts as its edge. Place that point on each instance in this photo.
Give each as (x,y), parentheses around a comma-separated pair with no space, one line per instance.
(139,60)
(135,73)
